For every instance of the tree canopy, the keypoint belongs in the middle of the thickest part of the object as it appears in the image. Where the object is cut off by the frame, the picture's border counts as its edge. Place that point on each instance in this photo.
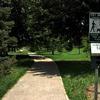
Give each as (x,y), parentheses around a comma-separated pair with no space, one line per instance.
(6,25)
(40,23)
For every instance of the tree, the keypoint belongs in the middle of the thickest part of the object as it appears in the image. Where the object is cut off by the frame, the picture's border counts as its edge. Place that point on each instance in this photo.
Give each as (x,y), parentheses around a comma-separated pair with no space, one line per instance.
(68,19)
(36,22)
(19,16)
(5,26)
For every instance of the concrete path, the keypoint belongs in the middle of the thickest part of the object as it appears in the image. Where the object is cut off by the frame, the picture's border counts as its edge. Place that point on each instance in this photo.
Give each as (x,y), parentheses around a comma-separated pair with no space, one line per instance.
(42,82)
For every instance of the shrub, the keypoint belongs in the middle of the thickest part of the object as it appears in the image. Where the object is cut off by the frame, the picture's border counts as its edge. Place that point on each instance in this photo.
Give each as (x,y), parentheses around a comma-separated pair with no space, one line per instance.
(68,45)
(5,65)
(86,45)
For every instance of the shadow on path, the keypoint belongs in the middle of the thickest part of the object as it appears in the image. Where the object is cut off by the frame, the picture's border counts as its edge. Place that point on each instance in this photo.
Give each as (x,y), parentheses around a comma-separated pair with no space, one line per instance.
(43,68)
(41,82)
(74,68)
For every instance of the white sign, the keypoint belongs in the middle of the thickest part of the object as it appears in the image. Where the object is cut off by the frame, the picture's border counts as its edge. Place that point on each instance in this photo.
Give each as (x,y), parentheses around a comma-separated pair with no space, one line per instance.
(95,48)
(94,22)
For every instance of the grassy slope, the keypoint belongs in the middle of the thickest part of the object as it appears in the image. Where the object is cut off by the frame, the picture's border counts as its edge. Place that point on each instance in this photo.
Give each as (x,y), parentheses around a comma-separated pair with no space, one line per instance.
(77,76)
(18,70)
(76,72)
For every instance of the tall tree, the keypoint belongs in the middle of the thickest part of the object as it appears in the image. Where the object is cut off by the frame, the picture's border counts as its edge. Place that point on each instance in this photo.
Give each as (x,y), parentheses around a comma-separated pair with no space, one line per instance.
(19,16)
(5,25)
(68,18)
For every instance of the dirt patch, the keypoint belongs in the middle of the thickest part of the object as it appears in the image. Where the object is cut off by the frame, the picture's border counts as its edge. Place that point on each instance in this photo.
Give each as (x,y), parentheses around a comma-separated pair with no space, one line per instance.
(90,92)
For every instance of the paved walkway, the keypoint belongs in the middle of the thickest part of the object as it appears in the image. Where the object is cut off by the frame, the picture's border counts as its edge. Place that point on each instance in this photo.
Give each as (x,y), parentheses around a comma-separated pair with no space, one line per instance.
(42,82)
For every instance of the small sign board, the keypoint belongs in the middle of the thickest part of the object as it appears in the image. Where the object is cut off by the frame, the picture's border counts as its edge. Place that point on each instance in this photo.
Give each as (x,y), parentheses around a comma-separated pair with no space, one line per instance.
(95,49)
(94,27)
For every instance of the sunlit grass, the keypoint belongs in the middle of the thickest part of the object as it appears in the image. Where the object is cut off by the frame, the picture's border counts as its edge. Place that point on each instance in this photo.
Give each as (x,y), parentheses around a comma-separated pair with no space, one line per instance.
(68,56)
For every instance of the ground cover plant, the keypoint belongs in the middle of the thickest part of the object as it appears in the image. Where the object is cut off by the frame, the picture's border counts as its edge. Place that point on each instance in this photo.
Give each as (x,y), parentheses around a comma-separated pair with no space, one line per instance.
(17,70)
(77,76)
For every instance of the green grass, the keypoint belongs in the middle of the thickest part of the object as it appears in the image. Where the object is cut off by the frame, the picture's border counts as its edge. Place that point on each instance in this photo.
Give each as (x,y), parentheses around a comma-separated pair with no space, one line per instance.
(18,70)
(68,56)
(77,77)
(19,53)
(76,72)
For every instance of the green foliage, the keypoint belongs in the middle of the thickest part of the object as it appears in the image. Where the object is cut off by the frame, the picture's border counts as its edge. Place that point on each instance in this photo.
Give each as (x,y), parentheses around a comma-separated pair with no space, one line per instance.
(5,13)
(5,65)
(68,45)
(5,27)
(65,17)
(37,23)
(77,77)
(60,47)
(12,41)
(86,45)
(6,41)
(17,70)
(2,25)
(3,41)
(6,82)
(19,16)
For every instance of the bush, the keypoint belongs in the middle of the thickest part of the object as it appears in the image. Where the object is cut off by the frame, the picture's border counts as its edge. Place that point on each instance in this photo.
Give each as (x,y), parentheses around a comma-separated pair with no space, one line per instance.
(60,49)
(5,65)
(86,46)
(68,46)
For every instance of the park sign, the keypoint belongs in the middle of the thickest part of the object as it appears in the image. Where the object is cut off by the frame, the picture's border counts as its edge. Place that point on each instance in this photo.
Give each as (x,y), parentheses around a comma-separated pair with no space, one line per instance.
(94,34)
(94,27)
(95,49)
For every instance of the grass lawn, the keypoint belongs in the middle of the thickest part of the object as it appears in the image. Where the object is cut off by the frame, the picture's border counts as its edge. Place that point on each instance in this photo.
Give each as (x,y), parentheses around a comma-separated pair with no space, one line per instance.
(75,71)
(18,70)
(77,77)
(68,56)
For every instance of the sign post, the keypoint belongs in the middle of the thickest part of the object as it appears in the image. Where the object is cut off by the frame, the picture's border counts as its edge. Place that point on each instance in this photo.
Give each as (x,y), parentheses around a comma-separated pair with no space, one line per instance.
(94,27)
(94,35)
(96,83)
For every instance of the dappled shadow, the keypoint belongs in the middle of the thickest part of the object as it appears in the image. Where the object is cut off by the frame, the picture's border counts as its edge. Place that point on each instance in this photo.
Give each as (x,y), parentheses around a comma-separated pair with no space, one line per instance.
(43,68)
(25,63)
(74,68)
(31,56)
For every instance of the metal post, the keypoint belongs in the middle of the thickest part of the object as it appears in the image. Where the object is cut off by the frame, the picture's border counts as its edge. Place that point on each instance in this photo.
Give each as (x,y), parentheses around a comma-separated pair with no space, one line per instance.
(96,82)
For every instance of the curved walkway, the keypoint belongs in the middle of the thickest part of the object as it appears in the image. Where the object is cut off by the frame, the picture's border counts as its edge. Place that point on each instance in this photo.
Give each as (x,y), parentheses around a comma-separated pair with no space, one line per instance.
(42,82)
